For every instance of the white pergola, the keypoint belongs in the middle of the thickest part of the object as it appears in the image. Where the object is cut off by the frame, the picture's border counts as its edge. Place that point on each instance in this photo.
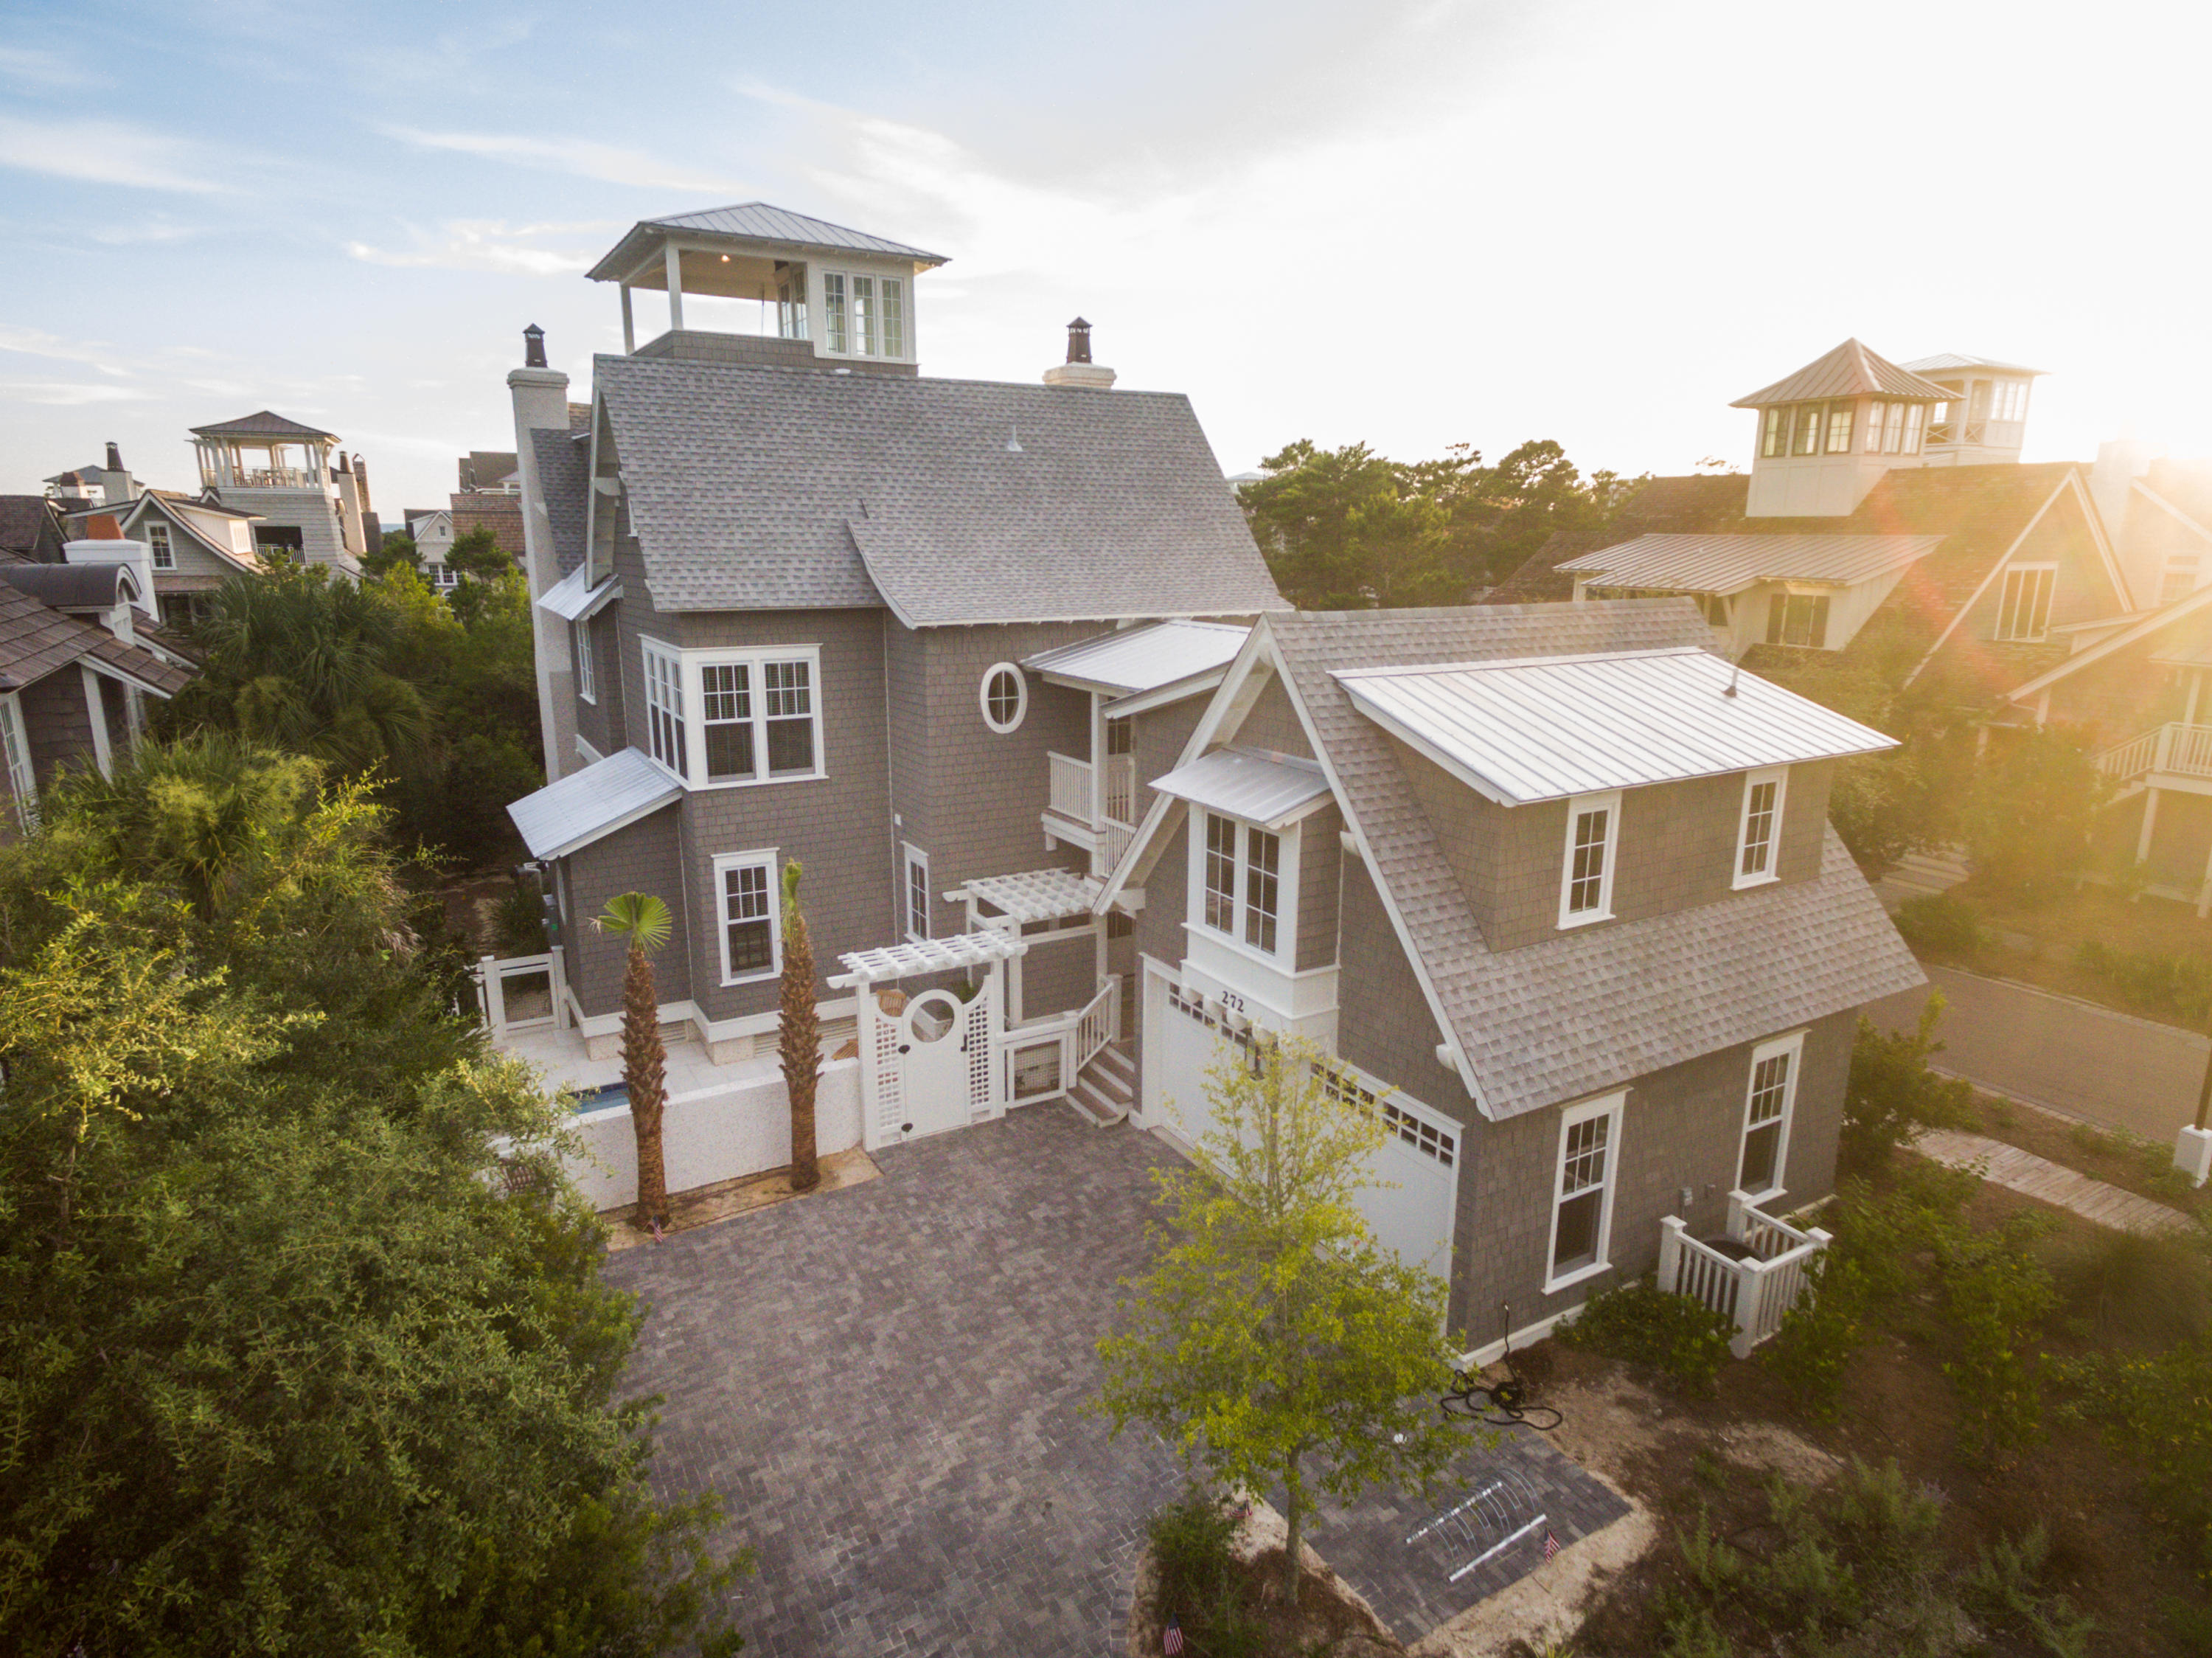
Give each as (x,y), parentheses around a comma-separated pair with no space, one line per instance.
(1030,896)
(926,956)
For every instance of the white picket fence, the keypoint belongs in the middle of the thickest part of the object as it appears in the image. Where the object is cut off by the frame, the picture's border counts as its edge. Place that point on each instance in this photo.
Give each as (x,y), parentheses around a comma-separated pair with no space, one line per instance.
(1754,1293)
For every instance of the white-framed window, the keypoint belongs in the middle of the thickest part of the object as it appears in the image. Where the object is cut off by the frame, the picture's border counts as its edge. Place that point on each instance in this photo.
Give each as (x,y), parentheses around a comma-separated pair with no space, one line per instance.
(1839,428)
(15,756)
(2024,606)
(917,891)
(1247,881)
(664,709)
(863,314)
(722,718)
(1582,1191)
(1759,832)
(1797,618)
(440,578)
(157,540)
(751,925)
(587,670)
(1004,696)
(1586,879)
(1768,1103)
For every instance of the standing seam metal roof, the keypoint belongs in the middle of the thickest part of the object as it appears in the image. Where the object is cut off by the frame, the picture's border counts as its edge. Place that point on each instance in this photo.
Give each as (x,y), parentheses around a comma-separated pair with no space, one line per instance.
(755,222)
(585,805)
(265,423)
(1263,789)
(1730,563)
(1849,370)
(1137,659)
(1592,1008)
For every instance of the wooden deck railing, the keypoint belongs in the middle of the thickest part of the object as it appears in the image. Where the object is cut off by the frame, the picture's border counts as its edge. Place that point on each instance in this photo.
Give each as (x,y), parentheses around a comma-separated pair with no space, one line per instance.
(2181,749)
(1072,792)
(1754,1293)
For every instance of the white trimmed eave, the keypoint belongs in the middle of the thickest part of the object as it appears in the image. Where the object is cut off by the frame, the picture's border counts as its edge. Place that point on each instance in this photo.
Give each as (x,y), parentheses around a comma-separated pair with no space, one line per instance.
(109,670)
(1996,569)
(603,831)
(1175,691)
(2089,655)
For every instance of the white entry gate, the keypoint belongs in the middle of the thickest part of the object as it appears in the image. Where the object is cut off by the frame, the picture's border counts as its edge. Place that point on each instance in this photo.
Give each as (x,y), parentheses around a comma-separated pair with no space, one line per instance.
(1411,1206)
(938,1060)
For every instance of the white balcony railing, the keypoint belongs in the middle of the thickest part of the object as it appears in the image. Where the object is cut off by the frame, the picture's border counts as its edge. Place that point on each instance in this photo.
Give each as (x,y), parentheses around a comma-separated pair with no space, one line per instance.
(522,992)
(1756,1291)
(1071,797)
(1120,789)
(1118,836)
(263,478)
(2177,749)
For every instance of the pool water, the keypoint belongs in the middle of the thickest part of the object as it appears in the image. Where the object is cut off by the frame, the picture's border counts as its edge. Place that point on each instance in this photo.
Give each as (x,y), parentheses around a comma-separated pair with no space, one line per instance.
(605,1097)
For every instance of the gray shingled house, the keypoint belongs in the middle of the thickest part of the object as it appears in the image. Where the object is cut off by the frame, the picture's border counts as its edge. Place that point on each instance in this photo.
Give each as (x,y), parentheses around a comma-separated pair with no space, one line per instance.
(1551,886)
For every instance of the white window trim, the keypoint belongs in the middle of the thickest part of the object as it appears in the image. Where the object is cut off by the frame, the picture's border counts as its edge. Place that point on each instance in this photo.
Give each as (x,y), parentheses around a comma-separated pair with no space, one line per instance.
(1779,777)
(912,857)
(15,757)
(1021,698)
(1285,955)
(819,299)
(1794,1045)
(764,857)
(647,650)
(2051,603)
(1608,802)
(1612,1106)
(580,649)
(162,553)
(692,684)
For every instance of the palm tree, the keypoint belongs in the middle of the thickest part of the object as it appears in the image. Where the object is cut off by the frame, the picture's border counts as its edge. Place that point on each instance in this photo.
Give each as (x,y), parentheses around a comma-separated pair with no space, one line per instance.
(798,1035)
(643,920)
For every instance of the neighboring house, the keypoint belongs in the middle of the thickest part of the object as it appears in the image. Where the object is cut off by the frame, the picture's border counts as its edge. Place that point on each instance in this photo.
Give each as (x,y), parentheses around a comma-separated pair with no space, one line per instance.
(490,471)
(73,674)
(1551,887)
(309,511)
(2160,514)
(193,546)
(32,529)
(431,530)
(1878,521)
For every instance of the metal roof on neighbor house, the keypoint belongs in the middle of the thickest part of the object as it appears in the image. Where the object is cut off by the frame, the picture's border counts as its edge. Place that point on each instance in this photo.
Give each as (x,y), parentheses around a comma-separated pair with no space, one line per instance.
(265,423)
(953,501)
(573,597)
(1262,789)
(753,221)
(1849,370)
(1730,563)
(1548,728)
(1951,362)
(605,796)
(1138,659)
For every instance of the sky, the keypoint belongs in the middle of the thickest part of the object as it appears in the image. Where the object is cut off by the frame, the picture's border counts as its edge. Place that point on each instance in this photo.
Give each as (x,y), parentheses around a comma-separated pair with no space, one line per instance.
(1410,223)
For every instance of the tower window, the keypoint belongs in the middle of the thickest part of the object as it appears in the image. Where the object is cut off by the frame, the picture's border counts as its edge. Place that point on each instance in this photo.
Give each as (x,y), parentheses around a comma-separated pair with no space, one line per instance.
(1839,428)
(1808,431)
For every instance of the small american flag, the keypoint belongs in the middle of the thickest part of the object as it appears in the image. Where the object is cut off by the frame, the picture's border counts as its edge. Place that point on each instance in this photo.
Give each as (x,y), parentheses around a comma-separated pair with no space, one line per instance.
(1172,1640)
(1550,1545)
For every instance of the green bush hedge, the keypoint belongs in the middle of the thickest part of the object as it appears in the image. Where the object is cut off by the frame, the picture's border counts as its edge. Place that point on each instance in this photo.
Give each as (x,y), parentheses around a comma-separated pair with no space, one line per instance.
(1642,1324)
(1939,924)
(2177,986)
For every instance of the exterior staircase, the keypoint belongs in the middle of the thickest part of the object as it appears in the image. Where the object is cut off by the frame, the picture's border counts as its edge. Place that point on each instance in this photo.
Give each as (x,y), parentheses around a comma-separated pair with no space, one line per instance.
(1106,1091)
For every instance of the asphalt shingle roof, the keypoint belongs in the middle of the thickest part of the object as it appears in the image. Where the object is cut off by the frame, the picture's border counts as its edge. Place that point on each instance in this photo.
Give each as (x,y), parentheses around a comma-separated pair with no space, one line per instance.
(29,525)
(954,501)
(564,467)
(1730,563)
(1575,1015)
(36,639)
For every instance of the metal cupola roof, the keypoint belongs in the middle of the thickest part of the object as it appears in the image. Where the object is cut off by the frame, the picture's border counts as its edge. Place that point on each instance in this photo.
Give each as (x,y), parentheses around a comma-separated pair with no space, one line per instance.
(756,226)
(1849,370)
(267,423)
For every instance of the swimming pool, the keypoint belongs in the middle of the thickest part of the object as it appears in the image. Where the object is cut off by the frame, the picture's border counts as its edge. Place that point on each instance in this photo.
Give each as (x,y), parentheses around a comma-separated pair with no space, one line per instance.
(605,1097)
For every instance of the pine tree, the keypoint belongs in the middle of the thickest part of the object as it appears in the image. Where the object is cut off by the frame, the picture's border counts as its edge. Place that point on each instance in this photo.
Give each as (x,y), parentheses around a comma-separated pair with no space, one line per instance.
(798,1035)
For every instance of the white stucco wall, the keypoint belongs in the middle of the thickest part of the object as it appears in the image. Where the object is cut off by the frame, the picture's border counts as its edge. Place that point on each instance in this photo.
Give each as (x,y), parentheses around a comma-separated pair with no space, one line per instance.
(745,1129)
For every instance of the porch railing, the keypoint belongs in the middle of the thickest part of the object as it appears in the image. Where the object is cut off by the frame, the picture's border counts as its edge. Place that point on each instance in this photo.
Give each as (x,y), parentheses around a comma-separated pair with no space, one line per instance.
(1120,789)
(1071,797)
(2184,750)
(1045,1056)
(1117,842)
(519,993)
(1755,1292)
(1099,1023)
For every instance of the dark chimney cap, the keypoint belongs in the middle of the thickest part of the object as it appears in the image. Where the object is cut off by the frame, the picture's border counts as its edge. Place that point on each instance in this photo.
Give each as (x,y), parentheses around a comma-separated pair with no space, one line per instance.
(1078,341)
(533,347)
(114,456)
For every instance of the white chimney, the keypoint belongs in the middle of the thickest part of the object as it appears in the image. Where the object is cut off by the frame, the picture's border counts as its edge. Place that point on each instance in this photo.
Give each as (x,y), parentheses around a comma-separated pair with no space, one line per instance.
(104,544)
(1078,370)
(541,404)
(2120,462)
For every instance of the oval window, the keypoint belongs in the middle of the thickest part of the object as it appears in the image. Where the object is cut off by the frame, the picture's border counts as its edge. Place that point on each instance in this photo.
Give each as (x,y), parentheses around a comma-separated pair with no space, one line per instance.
(1005,697)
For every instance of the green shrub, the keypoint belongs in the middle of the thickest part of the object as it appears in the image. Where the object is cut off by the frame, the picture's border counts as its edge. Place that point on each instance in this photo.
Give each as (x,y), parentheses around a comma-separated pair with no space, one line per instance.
(2150,1409)
(1939,924)
(2000,1587)
(1813,1350)
(1996,1293)
(2172,986)
(1642,1324)
(2153,1291)
(1199,1583)
(518,923)
(1892,1094)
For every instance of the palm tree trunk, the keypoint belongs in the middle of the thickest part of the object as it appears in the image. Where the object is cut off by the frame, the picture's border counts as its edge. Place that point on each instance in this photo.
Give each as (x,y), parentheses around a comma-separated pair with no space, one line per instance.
(799,1036)
(645,1075)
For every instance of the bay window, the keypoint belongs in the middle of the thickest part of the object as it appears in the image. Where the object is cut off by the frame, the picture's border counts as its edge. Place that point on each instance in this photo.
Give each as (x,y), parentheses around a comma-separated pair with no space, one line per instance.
(756,713)
(664,709)
(580,648)
(1246,879)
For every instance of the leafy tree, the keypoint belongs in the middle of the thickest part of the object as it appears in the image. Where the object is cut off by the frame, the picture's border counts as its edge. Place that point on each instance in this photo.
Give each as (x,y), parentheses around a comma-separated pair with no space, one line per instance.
(476,553)
(798,1033)
(2032,813)
(1892,1094)
(397,550)
(305,1349)
(1274,1341)
(643,920)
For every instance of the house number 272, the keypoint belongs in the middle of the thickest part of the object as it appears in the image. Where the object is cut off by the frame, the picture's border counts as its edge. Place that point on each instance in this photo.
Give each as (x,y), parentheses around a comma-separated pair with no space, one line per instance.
(1233,1002)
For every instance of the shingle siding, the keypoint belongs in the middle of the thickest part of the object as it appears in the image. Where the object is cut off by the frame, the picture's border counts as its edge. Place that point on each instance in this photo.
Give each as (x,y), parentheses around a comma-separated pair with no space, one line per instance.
(1273,724)
(1058,975)
(641,857)
(1321,855)
(59,723)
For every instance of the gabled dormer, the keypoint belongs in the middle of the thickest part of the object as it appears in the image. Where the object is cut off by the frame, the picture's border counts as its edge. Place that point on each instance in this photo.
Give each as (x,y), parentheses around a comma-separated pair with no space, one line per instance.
(1828,432)
(784,289)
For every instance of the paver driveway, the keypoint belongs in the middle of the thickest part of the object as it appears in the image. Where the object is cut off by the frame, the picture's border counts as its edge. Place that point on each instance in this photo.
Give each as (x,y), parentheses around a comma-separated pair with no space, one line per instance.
(885,1385)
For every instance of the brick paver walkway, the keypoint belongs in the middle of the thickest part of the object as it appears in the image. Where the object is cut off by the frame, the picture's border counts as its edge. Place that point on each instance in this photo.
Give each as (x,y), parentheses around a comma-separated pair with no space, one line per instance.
(2053,1182)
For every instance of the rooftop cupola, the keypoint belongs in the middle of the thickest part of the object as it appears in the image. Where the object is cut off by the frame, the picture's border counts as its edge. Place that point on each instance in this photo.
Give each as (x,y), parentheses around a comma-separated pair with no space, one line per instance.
(1985,421)
(1078,370)
(1828,432)
(772,287)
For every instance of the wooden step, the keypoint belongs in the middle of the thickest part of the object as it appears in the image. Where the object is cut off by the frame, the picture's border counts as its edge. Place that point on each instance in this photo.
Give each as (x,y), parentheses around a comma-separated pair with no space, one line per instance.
(1117,1061)
(1095,1106)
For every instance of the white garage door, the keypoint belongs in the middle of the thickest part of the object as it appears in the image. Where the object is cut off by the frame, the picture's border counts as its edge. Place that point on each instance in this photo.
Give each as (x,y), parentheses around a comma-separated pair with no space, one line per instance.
(1417,1169)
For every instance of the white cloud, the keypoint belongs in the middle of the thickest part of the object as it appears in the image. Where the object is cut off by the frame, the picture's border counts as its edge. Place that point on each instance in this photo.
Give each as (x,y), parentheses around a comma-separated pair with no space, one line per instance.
(158,229)
(34,342)
(487,245)
(104,152)
(581,156)
(69,395)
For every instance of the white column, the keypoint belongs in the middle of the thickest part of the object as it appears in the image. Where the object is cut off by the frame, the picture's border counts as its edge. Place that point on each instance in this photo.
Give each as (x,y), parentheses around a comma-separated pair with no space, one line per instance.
(674,263)
(2150,818)
(2195,685)
(629,328)
(97,709)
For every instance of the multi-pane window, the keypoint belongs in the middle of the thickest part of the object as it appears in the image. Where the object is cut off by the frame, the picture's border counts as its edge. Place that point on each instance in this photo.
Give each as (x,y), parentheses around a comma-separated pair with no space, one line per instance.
(1005,695)
(1774,436)
(587,670)
(2180,578)
(749,930)
(1809,432)
(917,894)
(862,315)
(664,710)
(1263,878)
(1582,1201)
(1762,825)
(894,310)
(2024,607)
(791,308)
(1797,618)
(1220,872)
(15,756)
(790,717)
(1586,887)
(1766,1116)
(1839,428)
(834,313)
(1915,418)
(157,540)
(726,720)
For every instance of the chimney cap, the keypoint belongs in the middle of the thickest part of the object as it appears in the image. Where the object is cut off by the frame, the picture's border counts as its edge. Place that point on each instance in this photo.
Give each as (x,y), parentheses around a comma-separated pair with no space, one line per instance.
(1078,341)
(114,456)
(533,347)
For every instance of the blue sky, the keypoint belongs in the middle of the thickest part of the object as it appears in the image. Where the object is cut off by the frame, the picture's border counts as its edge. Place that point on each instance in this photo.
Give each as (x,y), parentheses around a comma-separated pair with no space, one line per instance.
(1413,223)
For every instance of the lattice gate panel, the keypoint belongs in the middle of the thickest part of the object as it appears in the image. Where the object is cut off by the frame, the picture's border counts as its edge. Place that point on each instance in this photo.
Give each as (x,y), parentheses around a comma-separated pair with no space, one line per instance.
(884,1032)
(980,1039)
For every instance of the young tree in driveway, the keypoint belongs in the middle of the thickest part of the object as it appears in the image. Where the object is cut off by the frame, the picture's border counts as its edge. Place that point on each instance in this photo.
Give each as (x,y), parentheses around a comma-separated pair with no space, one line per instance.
(642,919)
(798,1033)
(1274,1342)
